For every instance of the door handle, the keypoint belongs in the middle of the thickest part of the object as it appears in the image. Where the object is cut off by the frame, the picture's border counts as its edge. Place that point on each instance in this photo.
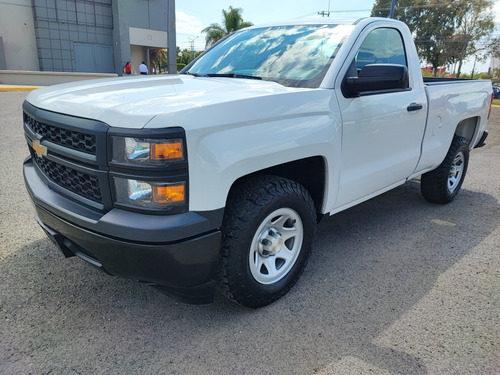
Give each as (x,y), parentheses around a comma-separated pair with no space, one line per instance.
(414,107)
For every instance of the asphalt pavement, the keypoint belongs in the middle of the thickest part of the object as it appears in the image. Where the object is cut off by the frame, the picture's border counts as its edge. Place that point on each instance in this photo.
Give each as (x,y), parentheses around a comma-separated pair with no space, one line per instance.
(395,285)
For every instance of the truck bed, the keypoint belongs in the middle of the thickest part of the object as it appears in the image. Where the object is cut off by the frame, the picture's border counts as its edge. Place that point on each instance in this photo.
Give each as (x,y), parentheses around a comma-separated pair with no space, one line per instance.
(441,80)
(453,101)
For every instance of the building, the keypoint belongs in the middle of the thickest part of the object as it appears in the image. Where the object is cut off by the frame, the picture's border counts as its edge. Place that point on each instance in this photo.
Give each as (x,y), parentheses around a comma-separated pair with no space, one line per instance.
(95,36)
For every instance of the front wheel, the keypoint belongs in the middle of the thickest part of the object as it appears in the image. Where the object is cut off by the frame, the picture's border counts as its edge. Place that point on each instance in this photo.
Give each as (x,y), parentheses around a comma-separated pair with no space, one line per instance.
(443,184)
(268,230)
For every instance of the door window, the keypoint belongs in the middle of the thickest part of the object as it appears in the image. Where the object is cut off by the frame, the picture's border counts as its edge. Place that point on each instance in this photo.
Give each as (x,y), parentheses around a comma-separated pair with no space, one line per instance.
(381,46)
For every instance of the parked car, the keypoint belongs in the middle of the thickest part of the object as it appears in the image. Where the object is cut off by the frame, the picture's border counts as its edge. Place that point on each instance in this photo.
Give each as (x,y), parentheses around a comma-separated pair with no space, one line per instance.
(496,92)
(220,174)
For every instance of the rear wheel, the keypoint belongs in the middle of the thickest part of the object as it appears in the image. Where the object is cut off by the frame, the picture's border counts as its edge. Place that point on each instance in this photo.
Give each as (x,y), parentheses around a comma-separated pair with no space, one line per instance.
(268,230)
(443,184)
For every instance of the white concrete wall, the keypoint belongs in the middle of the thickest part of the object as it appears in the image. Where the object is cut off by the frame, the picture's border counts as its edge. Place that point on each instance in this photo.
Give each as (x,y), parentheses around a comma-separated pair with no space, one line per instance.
(138,54)
(148,37)
(18,32)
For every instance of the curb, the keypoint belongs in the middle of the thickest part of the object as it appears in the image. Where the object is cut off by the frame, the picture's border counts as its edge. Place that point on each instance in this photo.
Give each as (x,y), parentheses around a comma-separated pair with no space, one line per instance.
(18,88)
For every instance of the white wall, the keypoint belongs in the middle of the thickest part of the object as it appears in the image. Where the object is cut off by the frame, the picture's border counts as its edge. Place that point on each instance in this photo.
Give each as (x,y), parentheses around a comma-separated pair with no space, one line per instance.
(18,32)
(138,54)
(148,37)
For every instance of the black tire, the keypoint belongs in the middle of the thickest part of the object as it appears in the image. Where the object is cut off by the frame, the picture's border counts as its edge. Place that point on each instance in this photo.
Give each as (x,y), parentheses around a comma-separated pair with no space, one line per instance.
(443,184)
(268,230)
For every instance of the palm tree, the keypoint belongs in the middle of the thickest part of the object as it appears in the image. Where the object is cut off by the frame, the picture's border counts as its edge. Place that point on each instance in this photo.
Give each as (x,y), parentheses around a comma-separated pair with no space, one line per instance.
(232,21)
(158,58)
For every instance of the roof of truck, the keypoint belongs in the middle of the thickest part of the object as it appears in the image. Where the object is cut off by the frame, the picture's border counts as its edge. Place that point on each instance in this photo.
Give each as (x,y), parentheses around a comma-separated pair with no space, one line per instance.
(309,21)
(323,21)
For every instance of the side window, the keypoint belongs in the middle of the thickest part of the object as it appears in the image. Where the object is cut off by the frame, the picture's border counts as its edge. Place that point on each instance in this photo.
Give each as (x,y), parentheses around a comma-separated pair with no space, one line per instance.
(381,46)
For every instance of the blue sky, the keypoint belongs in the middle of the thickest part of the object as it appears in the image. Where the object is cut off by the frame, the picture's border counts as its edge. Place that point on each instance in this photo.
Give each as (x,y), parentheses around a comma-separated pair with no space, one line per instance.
(194,15)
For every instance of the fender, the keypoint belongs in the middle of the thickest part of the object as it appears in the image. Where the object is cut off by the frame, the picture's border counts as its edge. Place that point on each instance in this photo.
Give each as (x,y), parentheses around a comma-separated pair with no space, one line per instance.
(227,141)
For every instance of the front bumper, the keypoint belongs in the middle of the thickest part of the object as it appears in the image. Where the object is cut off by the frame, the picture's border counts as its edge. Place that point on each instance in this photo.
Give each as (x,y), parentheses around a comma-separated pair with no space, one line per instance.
(177,253)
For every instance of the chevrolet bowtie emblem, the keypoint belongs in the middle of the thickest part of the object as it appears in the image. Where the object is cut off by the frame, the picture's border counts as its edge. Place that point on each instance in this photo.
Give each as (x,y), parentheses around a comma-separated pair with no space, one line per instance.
(39,149)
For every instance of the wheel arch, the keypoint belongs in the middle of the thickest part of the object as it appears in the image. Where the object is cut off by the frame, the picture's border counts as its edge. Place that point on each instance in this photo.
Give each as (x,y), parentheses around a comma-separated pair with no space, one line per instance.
(309,172)
(467,129)
(438,185)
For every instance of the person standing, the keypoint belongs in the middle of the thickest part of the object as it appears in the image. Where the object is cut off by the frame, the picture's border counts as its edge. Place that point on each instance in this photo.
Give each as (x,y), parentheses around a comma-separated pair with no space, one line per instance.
(143,69)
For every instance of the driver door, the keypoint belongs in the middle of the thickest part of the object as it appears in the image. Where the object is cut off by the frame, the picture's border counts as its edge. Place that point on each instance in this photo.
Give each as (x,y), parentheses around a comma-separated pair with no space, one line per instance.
(382,131)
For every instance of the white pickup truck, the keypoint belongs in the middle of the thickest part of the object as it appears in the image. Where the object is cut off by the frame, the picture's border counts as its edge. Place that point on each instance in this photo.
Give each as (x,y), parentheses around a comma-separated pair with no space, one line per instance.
(218,176)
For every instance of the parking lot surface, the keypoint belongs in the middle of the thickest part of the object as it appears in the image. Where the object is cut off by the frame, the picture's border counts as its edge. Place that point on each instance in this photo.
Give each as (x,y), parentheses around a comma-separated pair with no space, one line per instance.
(395,285)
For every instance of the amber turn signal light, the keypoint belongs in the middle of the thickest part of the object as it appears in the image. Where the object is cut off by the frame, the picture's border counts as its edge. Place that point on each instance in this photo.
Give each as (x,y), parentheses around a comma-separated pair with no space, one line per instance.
(167,151)
(168,194)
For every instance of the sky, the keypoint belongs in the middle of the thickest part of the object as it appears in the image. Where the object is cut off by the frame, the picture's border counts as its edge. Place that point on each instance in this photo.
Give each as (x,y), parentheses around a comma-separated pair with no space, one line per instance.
(194,15)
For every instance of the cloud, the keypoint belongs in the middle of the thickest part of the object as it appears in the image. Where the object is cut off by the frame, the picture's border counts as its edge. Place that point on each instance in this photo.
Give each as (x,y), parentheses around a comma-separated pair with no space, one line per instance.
(496,9)
(186,24)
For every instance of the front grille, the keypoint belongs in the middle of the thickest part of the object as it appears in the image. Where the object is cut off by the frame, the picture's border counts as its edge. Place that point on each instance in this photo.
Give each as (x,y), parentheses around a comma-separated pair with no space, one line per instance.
(80,183)
(75,140)
(71,154)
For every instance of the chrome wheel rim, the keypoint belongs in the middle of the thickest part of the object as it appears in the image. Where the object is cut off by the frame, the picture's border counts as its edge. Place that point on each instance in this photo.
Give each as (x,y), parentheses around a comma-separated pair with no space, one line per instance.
(276,246)
(456,172)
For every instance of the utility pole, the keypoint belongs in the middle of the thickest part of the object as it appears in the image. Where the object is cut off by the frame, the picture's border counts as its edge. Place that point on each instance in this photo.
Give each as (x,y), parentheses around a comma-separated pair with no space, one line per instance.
(191,43)
(327,13)
(393,4)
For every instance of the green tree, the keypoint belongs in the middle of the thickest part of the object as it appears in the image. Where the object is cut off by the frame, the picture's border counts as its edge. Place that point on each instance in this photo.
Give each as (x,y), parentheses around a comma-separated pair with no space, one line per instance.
(432,23)
(496,73)
(434,32)
(231,21)
(445,31)
(407,11)
(474,22)
(158,59)
(186,56)
(494,47)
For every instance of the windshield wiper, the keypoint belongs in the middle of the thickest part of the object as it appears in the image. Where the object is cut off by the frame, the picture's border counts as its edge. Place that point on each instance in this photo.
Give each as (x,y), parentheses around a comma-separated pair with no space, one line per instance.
(195,74)
(223,75)
(232,75)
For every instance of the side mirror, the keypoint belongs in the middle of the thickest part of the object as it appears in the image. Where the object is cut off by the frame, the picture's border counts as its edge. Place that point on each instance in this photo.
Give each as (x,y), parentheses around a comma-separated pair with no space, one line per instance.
(375,78)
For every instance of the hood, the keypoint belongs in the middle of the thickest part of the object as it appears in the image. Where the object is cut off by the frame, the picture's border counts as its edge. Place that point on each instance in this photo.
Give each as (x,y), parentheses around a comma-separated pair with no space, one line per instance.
(131,102)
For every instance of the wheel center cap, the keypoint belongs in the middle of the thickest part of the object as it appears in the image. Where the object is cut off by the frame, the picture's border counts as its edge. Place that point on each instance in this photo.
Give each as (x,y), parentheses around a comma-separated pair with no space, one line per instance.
(270,242)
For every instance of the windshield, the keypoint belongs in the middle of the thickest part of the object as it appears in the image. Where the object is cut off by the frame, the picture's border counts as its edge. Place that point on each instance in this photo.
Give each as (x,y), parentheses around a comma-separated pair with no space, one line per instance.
(295,56)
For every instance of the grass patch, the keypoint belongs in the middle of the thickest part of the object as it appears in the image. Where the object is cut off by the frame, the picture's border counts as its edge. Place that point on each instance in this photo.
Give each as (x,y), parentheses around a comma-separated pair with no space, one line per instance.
(496,101)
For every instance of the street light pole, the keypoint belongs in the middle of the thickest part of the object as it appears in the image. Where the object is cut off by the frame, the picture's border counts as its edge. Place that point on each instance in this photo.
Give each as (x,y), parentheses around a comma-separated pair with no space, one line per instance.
(191,42)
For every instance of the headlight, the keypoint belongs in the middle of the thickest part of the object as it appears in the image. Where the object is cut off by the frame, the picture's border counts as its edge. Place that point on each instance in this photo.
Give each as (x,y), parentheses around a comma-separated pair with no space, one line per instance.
(147,194)
(147,151)
(149,170)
